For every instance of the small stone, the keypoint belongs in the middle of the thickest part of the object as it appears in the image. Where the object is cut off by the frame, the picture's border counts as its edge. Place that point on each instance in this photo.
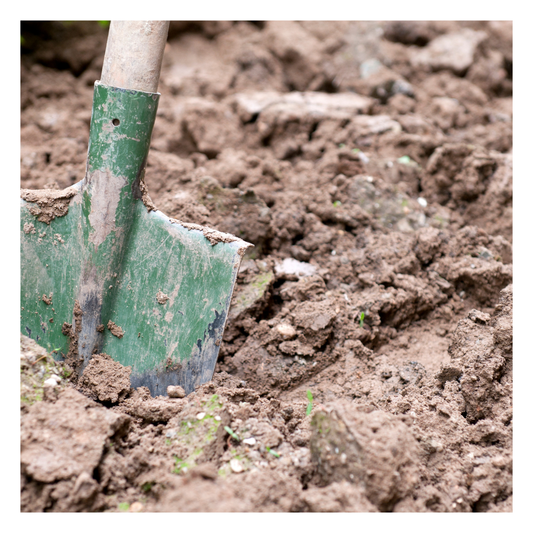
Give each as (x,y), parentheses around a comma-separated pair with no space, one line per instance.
(136,507)
(422,201)
(363,157)
(369,67)
(236,466)
(435,446)
(286,330)
(251,441)
(290,266)
(200,416)
(51,381)
(175,391)
(485,254)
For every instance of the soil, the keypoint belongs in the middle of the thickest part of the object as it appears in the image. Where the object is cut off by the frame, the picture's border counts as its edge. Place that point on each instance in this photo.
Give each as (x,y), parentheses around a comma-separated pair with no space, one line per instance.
(367,360)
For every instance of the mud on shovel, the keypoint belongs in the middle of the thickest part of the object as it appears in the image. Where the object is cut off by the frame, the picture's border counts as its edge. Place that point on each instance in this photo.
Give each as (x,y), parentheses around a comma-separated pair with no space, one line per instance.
(102,270)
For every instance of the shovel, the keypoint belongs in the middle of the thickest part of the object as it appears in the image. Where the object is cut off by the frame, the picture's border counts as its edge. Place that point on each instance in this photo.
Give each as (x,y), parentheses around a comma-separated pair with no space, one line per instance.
(102,270)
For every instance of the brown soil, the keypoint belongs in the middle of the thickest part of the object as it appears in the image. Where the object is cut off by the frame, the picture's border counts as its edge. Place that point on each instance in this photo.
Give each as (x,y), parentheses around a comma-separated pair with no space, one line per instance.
(367,359)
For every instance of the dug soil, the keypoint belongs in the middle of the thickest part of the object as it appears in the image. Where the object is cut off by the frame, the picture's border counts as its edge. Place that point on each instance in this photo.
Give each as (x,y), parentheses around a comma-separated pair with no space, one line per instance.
(367,359)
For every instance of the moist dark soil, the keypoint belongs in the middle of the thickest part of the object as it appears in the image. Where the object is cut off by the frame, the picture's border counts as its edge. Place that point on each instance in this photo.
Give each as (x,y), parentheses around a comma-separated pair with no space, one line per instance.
(367,359)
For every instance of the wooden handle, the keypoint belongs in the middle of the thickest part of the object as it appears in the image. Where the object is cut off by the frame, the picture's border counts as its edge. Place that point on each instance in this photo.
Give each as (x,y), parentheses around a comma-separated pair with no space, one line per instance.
(134,54)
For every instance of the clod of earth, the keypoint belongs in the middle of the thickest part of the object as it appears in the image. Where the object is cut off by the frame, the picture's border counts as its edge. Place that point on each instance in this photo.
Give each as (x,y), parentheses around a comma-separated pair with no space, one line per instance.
(117,331)
(48,204)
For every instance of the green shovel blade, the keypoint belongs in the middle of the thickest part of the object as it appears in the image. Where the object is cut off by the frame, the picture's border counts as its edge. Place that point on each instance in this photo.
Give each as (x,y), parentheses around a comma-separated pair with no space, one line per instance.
(100,272)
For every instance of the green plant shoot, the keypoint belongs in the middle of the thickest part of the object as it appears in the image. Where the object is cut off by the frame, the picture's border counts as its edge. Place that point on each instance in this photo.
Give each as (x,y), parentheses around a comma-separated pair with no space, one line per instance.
(310,404)
(275,454)
(232,433)
(362,319)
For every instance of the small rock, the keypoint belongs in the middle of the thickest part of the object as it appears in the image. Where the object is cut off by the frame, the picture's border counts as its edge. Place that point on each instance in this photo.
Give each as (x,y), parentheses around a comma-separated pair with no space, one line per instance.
(51,381)
(434,446)
(298,268)
(368,67)
(402,87)
(286,330)
(251,441)
(136,507)
(236,466)
(200,416)
(485,254)
(363,157)
(175,391)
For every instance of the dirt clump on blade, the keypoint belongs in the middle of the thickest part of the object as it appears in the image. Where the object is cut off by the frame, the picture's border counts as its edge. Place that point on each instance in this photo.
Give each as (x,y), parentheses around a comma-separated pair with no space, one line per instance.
(367,360)
(105,380)
(48,204)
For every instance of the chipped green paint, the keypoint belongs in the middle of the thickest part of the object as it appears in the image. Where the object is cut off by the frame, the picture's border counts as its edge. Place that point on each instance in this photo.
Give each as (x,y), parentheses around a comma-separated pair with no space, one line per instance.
(114,256)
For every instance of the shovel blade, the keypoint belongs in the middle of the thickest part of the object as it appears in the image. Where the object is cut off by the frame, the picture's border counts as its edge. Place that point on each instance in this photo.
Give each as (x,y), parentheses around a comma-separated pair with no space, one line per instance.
(165,309)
